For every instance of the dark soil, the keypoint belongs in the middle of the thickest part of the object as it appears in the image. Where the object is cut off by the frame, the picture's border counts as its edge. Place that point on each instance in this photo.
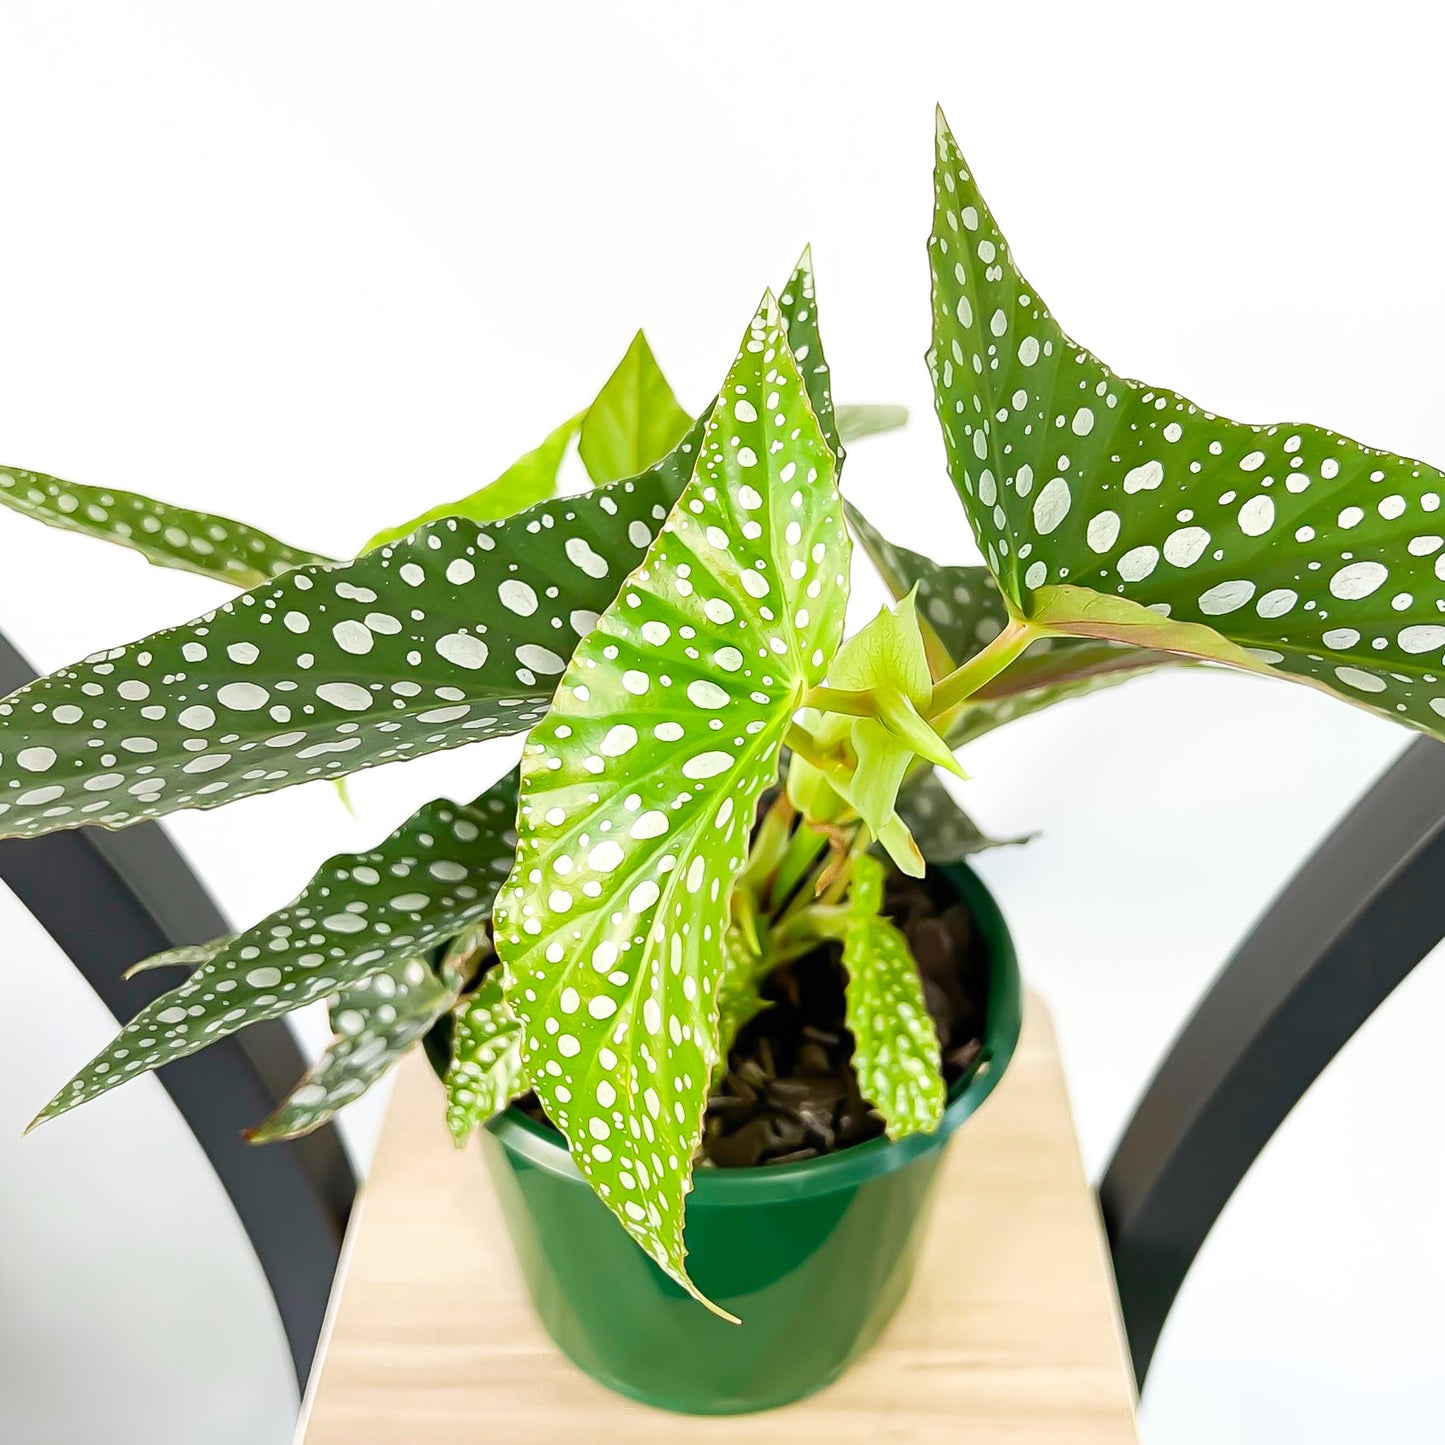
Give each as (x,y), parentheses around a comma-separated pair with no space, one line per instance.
(790,1092)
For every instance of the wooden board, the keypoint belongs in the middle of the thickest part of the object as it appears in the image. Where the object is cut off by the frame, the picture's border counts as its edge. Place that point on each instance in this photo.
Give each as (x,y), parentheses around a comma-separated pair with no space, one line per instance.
(1010,1333)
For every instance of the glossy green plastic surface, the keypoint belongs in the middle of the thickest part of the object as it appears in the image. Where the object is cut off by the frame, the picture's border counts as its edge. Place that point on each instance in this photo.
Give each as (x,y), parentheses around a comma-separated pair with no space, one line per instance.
(812,1257)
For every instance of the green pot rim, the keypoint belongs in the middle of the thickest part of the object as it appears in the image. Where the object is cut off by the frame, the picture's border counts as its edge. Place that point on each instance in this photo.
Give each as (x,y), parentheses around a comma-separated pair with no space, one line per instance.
(721,1188)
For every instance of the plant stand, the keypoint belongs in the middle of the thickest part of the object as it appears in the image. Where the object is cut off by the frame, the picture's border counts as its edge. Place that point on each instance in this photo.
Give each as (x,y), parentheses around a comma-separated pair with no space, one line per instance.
(1010,1332)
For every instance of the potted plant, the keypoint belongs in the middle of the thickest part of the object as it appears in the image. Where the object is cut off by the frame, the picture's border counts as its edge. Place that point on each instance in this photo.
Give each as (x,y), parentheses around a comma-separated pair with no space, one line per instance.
(713,935)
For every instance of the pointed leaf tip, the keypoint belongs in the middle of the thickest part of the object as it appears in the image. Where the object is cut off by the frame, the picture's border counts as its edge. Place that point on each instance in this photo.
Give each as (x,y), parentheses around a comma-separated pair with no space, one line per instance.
(634,420)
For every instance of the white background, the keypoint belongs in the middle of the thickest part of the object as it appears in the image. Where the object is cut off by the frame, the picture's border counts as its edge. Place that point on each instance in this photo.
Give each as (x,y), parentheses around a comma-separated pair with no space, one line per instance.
(321,265)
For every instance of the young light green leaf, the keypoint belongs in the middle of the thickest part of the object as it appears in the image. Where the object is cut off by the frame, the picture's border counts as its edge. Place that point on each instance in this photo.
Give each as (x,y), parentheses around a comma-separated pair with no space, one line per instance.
(1123,512)
(866,421)
(943,831)
(962,610)
(640,787)
(867,757)
(961,606)
(895,1052)
(459,632)
(635,419)
(529,480)
(165,535)
(486,1071)
(360,914)
(377,1019)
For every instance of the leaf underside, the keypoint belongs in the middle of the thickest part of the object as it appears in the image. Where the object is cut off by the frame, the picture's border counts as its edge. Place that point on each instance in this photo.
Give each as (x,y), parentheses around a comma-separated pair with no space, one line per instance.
(1121,511)
(165,535)
(640,787)
(362,913)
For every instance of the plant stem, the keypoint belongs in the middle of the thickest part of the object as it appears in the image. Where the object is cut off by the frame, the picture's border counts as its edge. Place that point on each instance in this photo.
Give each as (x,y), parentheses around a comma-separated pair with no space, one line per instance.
(835,699)
(803,849)
(982,667)
(801,741)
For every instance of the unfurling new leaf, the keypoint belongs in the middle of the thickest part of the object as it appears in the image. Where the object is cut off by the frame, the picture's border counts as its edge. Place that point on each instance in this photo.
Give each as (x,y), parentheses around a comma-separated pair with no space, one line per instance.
(962,610)
(861,761)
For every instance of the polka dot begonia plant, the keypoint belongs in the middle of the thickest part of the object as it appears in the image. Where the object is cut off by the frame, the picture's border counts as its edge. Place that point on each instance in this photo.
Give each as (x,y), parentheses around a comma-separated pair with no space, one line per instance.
(711,777)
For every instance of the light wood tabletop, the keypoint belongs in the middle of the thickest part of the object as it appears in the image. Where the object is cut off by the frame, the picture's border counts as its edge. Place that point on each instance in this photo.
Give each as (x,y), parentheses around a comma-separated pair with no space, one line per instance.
(1009,1334)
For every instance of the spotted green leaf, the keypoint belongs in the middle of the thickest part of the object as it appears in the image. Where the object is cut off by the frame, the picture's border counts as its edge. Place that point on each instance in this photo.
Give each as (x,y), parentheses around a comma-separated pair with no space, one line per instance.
(163,534)
(855,422)
(486,1071)
(529,480)
(456,633)
(943,831)
(377,1019)
(640,787)
(1124,512)
(635,419)
(360,914)
(895,1052)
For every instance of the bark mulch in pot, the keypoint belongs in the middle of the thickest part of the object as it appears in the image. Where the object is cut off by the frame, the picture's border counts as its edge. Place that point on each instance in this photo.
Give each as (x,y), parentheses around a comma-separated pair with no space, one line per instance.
(790,1092)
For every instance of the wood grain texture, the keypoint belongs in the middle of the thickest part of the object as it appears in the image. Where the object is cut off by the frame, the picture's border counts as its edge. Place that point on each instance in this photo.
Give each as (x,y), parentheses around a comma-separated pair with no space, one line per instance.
(1009,1333)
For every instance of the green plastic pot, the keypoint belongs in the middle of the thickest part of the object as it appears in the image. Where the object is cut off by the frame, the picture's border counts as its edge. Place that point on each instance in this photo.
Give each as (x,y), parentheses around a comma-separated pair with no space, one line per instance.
(813,1257)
